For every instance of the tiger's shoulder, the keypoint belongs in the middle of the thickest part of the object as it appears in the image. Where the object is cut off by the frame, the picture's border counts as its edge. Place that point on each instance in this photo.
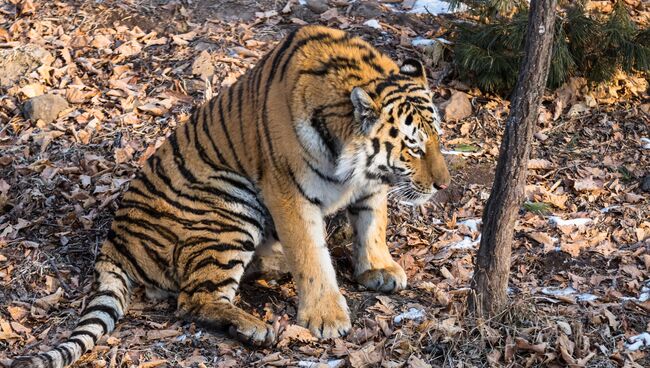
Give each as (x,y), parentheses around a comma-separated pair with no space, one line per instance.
(321,54)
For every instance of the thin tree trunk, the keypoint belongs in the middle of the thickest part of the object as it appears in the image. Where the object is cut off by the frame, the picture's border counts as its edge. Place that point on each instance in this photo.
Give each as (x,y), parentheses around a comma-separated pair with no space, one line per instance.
(492,265)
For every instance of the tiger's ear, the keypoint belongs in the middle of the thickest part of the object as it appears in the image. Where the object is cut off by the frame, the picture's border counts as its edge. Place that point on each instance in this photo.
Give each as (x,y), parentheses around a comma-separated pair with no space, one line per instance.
(414,68)
(365,109)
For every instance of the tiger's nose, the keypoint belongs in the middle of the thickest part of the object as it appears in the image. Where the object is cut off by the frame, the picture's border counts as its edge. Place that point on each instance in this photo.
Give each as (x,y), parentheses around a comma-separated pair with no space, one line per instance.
(440,186)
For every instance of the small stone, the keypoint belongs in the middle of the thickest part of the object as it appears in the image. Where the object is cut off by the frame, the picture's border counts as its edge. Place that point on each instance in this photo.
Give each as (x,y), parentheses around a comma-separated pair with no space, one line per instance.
(645,184)
(458,107)
(540,136)
(317,6)
(45,107)
(367,10)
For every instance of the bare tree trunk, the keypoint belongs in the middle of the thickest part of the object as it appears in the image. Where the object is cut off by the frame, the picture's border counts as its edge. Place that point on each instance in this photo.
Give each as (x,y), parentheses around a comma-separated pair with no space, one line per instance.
(492,265)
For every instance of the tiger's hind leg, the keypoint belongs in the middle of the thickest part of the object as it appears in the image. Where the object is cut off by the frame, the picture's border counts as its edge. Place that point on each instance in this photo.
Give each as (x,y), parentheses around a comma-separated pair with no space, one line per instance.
(211,265)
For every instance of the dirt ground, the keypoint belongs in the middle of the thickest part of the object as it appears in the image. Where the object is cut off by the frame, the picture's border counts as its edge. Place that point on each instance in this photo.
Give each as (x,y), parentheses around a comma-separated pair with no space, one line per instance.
(131,69)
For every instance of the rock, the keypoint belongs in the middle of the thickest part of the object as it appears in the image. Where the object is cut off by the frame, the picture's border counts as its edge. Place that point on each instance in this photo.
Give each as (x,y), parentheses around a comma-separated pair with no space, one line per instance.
(645,183)
(458,107)
(367,10)
(317,6)
(20,61)
(45,107)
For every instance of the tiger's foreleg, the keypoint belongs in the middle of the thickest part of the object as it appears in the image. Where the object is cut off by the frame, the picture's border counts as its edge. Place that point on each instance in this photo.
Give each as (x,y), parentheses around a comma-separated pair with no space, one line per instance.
(374,267)
(301,229)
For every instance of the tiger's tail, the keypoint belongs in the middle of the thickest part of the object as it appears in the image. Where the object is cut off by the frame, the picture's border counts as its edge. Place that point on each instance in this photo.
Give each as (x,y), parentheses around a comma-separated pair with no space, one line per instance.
(108,303)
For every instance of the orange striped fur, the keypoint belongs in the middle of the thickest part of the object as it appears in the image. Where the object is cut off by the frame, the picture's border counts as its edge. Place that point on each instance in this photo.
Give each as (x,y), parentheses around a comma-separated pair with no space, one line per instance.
(323,122)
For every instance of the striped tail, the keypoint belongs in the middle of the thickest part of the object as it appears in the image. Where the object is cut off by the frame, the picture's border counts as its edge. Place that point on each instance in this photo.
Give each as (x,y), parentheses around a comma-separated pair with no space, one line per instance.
(107,304)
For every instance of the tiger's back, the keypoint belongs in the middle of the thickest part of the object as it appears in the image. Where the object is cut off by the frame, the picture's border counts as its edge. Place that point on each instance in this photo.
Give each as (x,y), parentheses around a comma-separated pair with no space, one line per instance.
(316,126)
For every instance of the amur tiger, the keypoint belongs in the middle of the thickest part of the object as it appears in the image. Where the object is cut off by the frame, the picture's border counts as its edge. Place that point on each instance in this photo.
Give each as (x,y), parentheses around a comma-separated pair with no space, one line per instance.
(321,123)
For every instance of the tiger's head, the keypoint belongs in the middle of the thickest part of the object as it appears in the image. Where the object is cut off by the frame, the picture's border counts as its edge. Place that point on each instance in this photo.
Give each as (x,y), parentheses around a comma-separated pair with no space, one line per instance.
(400,130)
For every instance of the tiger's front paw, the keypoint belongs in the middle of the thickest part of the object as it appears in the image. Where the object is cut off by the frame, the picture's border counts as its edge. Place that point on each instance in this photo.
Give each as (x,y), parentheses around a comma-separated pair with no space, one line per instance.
(326,317)
(388,279)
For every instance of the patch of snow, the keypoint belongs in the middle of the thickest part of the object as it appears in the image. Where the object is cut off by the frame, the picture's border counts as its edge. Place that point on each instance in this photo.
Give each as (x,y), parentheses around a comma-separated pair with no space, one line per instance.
(411,314)
(466,243)
(336,363)
(434,7)
(643,297)
(645,292)
(557,221)
(586,297)
(460,153)
(607,209)
(421,41)
(646,143)
(558,292)
(472,224)
(373,23)
(635,343)
(302,2)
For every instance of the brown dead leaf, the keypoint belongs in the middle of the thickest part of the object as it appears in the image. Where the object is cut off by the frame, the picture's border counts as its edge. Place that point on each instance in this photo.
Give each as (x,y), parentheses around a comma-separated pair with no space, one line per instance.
(295,333)
(367,356)
(47,302)
(162,334)
(416,362)
(543,238)
(523,344)
(129,48)
(17,313)
(124,154)
(587,185)
(574,248)
(537,164)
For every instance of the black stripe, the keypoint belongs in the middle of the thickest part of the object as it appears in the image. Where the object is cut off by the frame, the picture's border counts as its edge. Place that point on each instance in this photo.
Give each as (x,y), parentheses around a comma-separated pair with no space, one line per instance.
(144,223)
(333,64)
(235,183)
(222,121)
(79,342)
(106,309)
(157,258)
(313,38)
(126,253)
(179,160)
(321,174)
(370,58)
(206,130)
(110,293)
(216,263)
(313,200)
(94,321)
(366,197)
(218,247)
(203,155)
(47,357)
(209,286)
(65,354)
(240,103)
(329,140)
(84,333)
(355,210)
(375,151)
(140,235)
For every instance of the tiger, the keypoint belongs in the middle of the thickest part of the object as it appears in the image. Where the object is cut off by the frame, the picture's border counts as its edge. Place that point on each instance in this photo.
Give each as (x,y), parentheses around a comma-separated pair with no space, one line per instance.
(324,122)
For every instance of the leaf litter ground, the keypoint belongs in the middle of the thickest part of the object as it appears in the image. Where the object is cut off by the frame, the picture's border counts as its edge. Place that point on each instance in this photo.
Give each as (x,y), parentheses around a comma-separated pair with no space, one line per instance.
(131,70)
